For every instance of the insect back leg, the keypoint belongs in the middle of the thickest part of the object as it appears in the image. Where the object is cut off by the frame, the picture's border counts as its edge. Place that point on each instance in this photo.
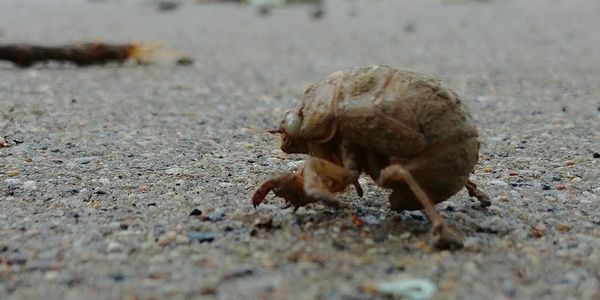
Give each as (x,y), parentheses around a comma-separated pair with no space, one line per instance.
(477,193)
(397,174)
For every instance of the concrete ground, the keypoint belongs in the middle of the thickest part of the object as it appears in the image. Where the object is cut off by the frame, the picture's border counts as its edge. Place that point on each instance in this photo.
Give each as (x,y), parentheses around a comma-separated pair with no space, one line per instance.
(133,182)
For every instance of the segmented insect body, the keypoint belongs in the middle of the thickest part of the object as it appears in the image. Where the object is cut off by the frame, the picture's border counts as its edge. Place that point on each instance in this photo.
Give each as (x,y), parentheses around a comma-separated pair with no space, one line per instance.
(404,129)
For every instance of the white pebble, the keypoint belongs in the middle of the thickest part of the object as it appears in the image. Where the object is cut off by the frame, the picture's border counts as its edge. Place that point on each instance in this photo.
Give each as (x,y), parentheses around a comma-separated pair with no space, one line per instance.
(29,185)
(12,181)
(175,171)
(114,247)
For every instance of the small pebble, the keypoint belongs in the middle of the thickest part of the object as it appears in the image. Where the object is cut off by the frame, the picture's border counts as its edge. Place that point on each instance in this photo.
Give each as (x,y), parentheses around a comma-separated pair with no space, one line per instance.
(116,277)
(114,247)
(563,227)
(538,230)
(174,171)
(12,173)
(167,238)
(202,237)
(416,289)
(29,185)
(472,244)
(196,212)
(167,5)
(51,275)
(182,239)
(12,181)
(217,215)
(596,155)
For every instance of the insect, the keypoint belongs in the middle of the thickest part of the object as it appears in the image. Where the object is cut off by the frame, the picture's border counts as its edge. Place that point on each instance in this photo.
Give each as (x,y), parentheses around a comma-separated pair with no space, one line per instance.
(403,129)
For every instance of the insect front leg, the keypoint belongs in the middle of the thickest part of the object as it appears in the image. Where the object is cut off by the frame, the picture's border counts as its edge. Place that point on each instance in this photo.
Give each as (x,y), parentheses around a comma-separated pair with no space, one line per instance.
(289,186)
(394,174)
(316,182)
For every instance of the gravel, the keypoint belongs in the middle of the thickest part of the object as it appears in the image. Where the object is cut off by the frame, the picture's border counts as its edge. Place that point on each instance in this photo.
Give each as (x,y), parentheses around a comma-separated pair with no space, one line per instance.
(133,182)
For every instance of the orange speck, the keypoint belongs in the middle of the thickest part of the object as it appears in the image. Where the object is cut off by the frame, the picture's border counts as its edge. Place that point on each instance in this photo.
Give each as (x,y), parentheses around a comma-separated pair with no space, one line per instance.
(357,221)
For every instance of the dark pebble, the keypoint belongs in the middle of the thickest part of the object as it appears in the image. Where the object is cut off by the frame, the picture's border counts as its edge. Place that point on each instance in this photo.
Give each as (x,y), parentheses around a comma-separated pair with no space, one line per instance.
(238,274)
(202,237)
(545,187)
(196,212)
(394,269)
(337,245)
(596,155)
(117,277)
(410,27)
(267,225)
(185,61)
(167,6)
(151,204)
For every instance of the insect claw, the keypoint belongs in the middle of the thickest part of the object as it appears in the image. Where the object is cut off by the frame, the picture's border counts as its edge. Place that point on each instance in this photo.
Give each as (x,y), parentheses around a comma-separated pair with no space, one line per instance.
(261,193)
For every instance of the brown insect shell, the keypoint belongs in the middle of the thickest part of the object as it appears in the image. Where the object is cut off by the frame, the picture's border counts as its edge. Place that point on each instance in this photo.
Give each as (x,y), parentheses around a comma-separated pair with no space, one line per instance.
(319,109)
(358,102)
(400,114)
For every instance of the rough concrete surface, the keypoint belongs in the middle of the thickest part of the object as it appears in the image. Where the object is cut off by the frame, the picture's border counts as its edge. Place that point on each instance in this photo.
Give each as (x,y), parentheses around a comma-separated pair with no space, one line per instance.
(104,165)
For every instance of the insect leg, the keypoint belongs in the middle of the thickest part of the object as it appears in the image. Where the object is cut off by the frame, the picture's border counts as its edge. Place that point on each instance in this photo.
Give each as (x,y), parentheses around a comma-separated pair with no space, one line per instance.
(323,178)
(289,186)
(477,193)
(396,173)
(350,162)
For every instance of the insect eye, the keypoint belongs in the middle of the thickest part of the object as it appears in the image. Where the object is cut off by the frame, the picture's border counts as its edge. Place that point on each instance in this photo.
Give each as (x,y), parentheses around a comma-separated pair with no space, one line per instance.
(291,123)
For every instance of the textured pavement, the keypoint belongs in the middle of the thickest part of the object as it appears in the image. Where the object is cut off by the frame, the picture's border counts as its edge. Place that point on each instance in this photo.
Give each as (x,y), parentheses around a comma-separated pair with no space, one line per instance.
(133,182)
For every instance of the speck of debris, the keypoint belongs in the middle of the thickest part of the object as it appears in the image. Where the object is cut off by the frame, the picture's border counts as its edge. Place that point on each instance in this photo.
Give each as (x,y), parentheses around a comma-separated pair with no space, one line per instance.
(238,274)
(596,155)
(116,277)
(167,6)
(151,204)
(185,61)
